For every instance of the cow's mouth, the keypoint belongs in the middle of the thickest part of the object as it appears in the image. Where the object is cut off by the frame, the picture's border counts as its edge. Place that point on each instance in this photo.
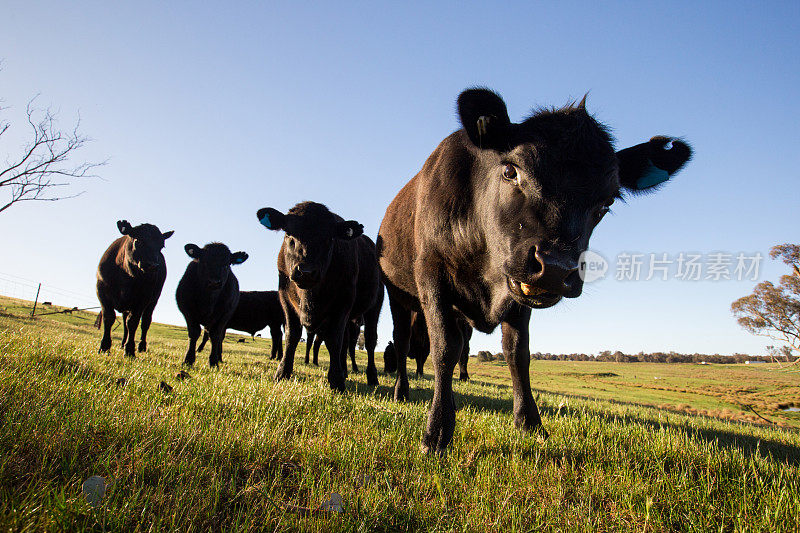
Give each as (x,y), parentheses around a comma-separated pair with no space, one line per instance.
(530,295)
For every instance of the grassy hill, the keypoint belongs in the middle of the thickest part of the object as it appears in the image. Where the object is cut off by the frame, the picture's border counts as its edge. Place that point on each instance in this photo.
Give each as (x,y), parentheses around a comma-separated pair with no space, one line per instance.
(230,449)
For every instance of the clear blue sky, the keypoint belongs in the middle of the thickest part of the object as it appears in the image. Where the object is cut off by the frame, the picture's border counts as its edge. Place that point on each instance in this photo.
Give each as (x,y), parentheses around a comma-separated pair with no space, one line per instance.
(207,113)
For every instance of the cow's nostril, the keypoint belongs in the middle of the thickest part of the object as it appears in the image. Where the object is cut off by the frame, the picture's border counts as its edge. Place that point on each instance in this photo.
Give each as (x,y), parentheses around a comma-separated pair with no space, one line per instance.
(534,263)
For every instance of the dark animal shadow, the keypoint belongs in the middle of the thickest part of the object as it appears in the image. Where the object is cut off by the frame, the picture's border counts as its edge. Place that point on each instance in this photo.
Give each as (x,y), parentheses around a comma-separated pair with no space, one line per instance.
(421,390)
(747,444)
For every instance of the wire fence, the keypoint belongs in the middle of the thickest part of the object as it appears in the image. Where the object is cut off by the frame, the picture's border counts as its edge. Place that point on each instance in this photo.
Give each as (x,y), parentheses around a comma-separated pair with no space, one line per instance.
(27,289)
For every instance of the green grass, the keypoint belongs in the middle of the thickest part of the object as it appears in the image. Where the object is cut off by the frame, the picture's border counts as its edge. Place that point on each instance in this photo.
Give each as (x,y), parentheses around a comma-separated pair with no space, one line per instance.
(230,449)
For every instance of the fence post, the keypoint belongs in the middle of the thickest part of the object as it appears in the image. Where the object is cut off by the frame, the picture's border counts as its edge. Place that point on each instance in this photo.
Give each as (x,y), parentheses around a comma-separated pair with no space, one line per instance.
(33,311)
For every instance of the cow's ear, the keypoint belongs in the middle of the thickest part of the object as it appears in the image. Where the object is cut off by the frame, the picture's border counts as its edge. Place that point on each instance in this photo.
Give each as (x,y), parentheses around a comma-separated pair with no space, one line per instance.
(645,166)
(193,251)
(167,235)
(271,218)
(124,227)
(348,230)
(238,258)
(485,118)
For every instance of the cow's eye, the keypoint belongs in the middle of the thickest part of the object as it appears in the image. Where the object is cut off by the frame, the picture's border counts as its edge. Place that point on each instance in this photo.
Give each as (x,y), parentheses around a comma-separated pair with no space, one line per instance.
(509,173)
(601,212)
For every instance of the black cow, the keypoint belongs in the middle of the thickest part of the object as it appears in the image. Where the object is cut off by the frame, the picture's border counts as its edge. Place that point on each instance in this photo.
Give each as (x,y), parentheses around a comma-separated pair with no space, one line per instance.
(419,348)
(257,310)
(353,329)
(493,225)
(130,277)
(207,295)
(389,359)
(327,276)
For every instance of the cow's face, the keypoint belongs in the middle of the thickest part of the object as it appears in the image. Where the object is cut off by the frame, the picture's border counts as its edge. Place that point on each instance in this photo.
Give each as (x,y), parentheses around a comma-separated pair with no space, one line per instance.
(147,241)
(311,231)
(214,263)
(545,185)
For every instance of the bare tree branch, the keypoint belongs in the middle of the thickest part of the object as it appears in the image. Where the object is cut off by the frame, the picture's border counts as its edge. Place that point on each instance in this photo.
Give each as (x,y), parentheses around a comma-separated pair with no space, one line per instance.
(43,168)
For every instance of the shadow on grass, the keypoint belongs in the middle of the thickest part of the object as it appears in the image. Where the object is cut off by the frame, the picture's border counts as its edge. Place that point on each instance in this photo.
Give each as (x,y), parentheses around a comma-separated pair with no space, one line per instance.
(747,444)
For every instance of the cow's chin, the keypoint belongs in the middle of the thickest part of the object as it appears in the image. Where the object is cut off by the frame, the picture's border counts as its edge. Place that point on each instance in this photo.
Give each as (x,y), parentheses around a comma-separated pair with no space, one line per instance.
(536,298)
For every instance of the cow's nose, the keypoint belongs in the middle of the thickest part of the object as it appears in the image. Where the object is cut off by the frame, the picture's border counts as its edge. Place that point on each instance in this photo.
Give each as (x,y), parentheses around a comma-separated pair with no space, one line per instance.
(557,274)
(305,272)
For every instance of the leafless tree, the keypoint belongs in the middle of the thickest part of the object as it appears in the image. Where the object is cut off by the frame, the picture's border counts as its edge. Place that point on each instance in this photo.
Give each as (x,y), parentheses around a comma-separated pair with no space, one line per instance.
(774,311)
(43,168)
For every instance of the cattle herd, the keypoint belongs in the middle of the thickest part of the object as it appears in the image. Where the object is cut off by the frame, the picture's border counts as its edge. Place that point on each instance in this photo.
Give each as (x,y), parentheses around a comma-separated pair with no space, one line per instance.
(492,226)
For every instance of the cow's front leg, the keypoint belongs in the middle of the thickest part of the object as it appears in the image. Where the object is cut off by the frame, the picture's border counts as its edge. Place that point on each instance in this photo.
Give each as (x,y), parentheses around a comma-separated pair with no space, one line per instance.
(293,332)
(334,341)
(216,335)
(446,342)
(517,354)
(193,330)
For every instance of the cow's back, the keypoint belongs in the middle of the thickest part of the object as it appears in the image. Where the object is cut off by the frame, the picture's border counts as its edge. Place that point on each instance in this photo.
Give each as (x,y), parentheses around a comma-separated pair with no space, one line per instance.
(255,311)
(396,248)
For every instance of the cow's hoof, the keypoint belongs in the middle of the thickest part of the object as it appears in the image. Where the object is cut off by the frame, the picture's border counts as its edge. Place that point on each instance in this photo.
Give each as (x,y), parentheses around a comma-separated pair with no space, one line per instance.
(355,369)
(129,351)
(430,450)
(463,376)
(280,375)
(372,377)
(142,347)
(336,384)
(536,428)
(401,393)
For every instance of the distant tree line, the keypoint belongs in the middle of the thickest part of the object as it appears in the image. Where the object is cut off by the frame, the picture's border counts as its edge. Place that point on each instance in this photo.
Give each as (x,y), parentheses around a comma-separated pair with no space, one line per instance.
(656,357)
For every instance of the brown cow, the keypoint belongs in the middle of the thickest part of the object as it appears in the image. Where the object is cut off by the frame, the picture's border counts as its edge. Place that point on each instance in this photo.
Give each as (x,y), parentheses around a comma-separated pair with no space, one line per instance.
(130,277)
(493,225)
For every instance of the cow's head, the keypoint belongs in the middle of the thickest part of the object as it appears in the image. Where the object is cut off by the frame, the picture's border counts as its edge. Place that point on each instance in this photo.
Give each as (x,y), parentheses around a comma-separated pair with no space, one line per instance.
(547,182)
(146,243)
(214,263)
(310,232)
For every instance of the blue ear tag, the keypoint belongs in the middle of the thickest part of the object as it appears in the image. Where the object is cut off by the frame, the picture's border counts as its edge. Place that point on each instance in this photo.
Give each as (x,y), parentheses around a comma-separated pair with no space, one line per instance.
(652,176)
(265,221)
